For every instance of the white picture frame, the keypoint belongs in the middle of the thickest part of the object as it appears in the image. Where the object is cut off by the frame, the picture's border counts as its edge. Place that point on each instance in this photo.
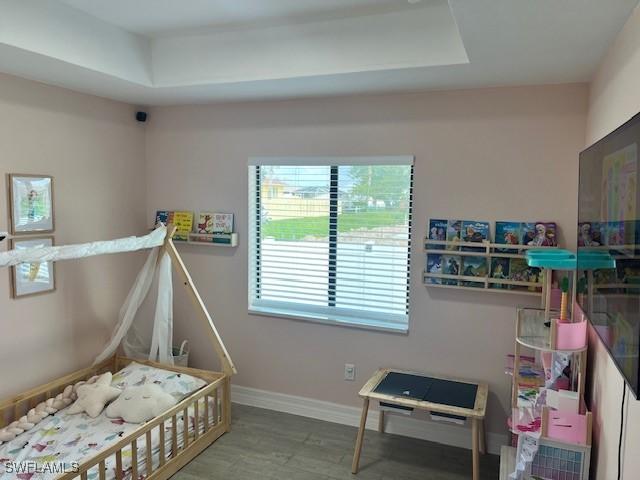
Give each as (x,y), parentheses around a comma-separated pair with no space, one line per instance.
(30,279)
(31,203)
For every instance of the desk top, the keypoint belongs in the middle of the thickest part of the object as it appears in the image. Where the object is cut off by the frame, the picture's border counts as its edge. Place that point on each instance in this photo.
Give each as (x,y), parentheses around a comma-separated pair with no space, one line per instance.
(437,404)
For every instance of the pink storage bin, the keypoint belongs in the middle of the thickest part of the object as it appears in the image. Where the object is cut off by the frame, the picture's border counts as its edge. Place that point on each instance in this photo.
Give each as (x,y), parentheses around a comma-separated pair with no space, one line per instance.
(570,336)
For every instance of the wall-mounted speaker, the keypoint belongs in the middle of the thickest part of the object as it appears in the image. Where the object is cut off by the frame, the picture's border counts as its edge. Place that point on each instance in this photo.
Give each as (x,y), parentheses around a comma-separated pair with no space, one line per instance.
(141,116)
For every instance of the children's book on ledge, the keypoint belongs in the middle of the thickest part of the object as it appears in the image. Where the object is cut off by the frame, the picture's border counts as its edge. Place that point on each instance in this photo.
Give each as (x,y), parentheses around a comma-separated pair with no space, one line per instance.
(182,220)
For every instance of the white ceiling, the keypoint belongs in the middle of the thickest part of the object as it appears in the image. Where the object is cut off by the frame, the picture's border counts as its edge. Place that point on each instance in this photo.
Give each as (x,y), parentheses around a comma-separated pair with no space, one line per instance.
(157,17)
(160,52)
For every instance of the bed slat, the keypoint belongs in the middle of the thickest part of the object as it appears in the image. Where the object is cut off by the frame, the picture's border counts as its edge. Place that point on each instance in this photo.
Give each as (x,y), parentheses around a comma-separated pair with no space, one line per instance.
(174,436)
(119,465)
(149,458)
(196,420)
(134,459)
(206,413)
(185,428)
(216,413)
(102,470)
(162,453)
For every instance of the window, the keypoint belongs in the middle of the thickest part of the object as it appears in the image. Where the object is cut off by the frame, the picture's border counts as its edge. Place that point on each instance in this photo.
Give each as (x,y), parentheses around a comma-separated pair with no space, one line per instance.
(330,239)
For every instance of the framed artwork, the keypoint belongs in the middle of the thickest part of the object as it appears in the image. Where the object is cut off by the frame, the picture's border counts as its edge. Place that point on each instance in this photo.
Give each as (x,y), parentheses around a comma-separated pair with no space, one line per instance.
(30,203)
(32,278)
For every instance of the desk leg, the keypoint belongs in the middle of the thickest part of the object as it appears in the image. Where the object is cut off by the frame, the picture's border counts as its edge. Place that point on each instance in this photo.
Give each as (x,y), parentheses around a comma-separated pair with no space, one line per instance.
(475,436)
(483,437)
(363,423)
(381,421)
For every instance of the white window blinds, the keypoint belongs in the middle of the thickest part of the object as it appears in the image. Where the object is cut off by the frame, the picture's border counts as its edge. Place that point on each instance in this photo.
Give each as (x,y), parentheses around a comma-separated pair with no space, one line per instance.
(330,239)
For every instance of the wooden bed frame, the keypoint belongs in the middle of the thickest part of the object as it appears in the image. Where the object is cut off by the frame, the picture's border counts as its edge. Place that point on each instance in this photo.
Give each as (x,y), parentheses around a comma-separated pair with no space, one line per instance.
(213,423)
(210,424)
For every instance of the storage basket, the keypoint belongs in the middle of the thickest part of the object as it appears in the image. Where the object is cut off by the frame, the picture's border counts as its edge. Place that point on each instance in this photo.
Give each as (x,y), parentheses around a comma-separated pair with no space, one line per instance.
(181,354)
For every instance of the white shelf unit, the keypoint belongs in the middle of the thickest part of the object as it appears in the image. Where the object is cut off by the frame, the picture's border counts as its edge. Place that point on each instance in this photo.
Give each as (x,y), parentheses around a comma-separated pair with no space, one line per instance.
(229,240)
(484,283)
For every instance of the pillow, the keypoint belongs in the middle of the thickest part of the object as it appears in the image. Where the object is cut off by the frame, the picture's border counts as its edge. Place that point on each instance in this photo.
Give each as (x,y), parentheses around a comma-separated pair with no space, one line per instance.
(92,397)
(177,384)
(139,404)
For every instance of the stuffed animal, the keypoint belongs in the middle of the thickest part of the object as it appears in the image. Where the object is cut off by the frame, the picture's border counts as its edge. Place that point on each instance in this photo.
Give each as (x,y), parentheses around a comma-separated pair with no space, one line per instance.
(42,410)
(139,404)
(92,398)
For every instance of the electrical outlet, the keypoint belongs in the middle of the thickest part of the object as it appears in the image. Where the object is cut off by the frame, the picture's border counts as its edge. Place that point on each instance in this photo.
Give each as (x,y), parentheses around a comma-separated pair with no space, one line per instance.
(349,372)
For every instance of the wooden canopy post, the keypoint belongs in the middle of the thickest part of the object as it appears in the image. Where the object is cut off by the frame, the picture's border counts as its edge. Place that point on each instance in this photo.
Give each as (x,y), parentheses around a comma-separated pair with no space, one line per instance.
(169,247)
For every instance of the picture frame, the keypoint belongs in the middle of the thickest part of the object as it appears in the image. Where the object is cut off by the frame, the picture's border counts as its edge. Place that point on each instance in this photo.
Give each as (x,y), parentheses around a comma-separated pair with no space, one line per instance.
(31,204)
(29,279)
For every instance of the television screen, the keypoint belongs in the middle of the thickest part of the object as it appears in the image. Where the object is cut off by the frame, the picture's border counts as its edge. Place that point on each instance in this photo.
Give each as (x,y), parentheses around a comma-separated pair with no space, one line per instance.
(608,221)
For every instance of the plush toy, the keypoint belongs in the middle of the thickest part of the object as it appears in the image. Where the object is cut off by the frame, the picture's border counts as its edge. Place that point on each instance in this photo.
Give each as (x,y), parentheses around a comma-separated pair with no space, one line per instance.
(139,404)
(42,410)
(92,398)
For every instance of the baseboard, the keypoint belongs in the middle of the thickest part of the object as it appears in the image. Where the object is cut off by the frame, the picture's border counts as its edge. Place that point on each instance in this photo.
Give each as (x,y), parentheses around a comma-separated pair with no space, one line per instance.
(448,434)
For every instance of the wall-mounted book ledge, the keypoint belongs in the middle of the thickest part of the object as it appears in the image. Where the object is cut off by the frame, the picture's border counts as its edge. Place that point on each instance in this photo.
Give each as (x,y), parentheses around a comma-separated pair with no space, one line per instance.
(211,240)
(485,266)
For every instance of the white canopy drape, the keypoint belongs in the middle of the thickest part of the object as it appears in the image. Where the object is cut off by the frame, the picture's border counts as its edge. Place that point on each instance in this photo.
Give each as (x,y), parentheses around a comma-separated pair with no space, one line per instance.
(125,333)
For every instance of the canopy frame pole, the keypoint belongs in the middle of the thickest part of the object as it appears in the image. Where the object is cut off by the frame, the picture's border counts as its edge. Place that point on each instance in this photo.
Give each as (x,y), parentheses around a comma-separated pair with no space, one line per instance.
(212,332)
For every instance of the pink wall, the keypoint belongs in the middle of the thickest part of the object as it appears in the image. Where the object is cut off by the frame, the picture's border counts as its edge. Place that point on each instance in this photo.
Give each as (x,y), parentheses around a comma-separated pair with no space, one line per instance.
(490,154)
(95,151)
(614,98)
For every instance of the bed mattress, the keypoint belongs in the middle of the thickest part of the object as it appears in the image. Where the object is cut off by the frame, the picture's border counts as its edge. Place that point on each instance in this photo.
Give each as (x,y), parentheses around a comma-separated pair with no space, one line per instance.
(62,441)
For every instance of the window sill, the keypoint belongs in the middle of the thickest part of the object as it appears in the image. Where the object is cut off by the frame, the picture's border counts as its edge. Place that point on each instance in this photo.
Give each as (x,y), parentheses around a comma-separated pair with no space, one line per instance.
(363,324)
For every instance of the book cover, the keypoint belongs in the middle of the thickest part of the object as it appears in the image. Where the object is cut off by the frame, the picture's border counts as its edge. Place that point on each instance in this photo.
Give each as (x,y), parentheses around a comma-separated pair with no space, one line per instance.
(614,233)
(539,234)
(453,233)
(474,267)
(527,233)
(223,223)
(434,265)
(451,266)
(183,221)
(205,222)
(437,231)
(162,216)
(508,233)
(500,271)
(519,271)
(589,234)
(476,232)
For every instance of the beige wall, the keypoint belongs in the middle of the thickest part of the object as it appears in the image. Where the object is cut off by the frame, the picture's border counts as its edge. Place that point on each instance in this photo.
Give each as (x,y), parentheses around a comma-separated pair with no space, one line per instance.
(489,154)
(95,151)
(614,98)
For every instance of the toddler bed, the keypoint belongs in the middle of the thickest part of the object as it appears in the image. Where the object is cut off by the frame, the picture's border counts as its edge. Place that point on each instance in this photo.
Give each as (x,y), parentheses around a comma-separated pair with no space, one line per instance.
(66,446)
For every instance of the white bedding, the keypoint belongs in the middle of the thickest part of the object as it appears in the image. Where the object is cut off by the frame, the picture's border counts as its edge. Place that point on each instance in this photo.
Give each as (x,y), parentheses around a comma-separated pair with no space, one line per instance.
(64,440)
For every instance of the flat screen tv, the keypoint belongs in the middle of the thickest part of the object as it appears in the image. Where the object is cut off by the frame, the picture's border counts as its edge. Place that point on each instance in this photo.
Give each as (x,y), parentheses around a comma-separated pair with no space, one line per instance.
(608,220)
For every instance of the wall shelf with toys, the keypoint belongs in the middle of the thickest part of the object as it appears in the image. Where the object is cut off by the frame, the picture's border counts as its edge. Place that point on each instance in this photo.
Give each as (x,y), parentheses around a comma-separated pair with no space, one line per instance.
(211,229)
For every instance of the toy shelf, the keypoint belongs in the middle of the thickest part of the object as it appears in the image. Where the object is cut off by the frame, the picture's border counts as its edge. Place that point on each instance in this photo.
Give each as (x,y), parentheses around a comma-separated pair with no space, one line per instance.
(486,282)
(547,399)
(211,240)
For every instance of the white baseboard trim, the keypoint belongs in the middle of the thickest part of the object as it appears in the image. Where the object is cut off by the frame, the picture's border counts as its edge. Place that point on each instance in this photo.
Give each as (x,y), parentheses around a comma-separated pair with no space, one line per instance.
(448,434)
